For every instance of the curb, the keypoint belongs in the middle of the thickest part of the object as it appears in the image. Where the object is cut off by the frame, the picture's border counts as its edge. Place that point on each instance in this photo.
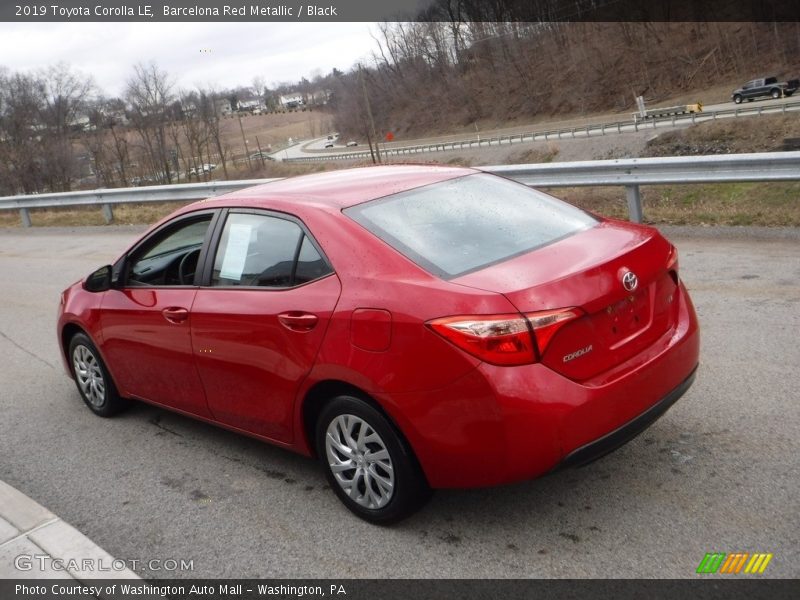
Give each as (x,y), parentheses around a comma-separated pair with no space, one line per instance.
(36,544)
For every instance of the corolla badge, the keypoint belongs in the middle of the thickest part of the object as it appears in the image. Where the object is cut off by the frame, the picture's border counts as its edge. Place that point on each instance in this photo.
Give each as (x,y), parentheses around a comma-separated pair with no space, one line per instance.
(577,353)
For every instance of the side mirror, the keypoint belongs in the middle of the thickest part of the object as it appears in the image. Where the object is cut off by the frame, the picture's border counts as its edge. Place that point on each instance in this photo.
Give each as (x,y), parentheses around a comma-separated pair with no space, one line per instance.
(99,281)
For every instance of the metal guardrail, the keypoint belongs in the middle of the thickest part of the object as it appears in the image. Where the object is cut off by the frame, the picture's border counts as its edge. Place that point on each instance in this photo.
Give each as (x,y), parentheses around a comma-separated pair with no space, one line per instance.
(106,198)
(634,172)
(629,173)
(559,134)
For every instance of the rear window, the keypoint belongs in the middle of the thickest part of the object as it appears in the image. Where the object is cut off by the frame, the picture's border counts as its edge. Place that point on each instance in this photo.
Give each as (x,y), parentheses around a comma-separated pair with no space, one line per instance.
(463,225)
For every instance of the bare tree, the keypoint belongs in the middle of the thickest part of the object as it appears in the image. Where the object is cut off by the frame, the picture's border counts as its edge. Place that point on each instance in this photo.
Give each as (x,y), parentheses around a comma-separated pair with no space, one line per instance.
(21,132)
(38,120)
(208,111)
(149,94)
(63,110)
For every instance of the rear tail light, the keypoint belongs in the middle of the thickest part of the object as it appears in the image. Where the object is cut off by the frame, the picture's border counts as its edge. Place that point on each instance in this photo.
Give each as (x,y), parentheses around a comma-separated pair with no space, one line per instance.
(496,339)
(546,324)
(672,264)
(509,339)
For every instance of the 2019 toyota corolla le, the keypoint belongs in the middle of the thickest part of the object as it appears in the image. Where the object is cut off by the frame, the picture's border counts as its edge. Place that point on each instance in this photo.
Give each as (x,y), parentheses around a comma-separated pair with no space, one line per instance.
(414,327)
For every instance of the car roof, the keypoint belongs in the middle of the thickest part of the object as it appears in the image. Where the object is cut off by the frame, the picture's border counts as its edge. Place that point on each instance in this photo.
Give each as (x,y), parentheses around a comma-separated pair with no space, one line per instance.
(337,189)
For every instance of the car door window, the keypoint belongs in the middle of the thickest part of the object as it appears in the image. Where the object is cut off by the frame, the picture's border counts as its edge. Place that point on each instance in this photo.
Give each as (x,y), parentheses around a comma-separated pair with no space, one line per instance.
(170,256)
(310,265)
(265,251)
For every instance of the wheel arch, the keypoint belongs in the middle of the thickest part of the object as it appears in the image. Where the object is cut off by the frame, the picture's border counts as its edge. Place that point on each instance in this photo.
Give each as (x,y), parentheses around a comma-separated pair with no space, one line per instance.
(67,333)
(322,392)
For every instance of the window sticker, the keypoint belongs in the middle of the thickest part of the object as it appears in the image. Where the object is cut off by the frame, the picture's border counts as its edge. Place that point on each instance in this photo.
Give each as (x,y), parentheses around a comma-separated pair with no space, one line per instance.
(236,251)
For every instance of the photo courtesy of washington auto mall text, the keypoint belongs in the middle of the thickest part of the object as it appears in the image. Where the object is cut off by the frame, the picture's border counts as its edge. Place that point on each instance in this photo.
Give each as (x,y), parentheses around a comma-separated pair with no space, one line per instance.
(178,591)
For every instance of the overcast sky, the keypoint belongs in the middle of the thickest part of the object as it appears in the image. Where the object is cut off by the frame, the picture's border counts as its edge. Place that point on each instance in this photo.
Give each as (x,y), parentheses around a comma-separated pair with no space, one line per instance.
(218,54)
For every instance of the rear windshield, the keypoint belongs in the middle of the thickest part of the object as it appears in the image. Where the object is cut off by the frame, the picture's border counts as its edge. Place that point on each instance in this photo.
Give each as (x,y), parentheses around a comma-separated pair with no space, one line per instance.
(463,225)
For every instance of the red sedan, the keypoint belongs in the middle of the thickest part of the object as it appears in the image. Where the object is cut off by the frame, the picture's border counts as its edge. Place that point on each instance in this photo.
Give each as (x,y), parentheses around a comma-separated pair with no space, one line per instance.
(413,327)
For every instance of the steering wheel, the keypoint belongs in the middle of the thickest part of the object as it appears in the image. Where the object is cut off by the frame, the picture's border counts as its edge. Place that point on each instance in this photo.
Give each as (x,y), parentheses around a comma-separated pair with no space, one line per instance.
(185,276)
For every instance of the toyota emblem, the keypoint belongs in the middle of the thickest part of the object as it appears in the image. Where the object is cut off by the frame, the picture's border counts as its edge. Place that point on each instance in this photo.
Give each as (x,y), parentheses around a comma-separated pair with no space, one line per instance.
(630,281)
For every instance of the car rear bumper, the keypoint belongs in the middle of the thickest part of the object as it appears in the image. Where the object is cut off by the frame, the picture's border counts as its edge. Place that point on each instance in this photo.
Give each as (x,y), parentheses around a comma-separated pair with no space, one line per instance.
(499,425)
(622,435)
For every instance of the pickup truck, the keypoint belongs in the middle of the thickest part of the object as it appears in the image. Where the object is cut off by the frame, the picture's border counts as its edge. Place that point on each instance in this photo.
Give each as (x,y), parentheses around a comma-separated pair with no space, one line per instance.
(768,86)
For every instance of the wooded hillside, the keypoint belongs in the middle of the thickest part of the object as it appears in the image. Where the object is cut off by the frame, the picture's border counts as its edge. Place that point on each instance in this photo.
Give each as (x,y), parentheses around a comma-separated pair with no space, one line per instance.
(429,77)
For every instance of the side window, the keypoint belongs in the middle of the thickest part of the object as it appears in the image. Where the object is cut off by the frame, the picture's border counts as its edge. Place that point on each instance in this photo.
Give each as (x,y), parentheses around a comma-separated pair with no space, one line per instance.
(310,265)
(170,256)
(265,251)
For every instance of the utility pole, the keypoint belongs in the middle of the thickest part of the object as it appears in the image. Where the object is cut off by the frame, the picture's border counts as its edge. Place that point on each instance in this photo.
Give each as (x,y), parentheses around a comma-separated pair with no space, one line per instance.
(260,153)
(369,114)
(244,139)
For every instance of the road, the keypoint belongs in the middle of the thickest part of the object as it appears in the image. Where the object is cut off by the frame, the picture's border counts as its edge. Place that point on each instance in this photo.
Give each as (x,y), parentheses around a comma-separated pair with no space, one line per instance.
(719,472)
(580,128)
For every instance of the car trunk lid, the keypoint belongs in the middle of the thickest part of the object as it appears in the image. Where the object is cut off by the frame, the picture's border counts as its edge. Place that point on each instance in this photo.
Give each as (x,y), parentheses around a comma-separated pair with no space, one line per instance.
(586,271)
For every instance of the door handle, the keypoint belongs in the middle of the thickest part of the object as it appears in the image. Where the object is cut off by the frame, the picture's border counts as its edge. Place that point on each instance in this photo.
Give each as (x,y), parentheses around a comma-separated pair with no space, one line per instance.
(175,314)
(298,321)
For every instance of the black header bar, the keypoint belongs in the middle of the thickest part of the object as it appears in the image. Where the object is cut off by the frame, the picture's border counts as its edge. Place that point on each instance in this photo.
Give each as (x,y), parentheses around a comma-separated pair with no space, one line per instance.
(399,10)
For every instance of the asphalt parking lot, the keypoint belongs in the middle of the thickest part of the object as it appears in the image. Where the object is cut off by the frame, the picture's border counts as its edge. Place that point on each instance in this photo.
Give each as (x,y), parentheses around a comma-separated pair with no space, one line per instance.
(720,472)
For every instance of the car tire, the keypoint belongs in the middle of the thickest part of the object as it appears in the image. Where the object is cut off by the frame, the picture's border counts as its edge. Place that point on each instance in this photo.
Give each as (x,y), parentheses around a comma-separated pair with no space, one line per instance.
(737,99)
(385,483)
(775,94)
(92,378)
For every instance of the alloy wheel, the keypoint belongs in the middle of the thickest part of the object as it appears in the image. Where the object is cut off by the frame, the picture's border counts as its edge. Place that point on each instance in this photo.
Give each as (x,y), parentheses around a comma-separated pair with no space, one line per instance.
(89,375)
(360,461)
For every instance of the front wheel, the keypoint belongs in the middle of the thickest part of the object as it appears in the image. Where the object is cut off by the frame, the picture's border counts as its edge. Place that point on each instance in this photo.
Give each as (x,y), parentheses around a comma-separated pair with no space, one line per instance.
(775,94)
(92,378)
(368,464)
(737,99)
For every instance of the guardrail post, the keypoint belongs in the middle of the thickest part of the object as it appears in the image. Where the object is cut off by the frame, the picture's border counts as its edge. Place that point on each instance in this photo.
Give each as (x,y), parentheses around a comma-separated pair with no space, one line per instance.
(619,127)
(634,203)
(25,215)
(636,125)
(108,213)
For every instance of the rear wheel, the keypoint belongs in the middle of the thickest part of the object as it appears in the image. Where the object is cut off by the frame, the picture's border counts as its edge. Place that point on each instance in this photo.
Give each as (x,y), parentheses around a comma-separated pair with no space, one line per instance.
(368,464)
(92,378)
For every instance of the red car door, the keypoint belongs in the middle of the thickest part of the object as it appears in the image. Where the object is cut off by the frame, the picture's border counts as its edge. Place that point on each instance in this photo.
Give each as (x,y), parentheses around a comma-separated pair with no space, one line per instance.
(145,324)
(258,325)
